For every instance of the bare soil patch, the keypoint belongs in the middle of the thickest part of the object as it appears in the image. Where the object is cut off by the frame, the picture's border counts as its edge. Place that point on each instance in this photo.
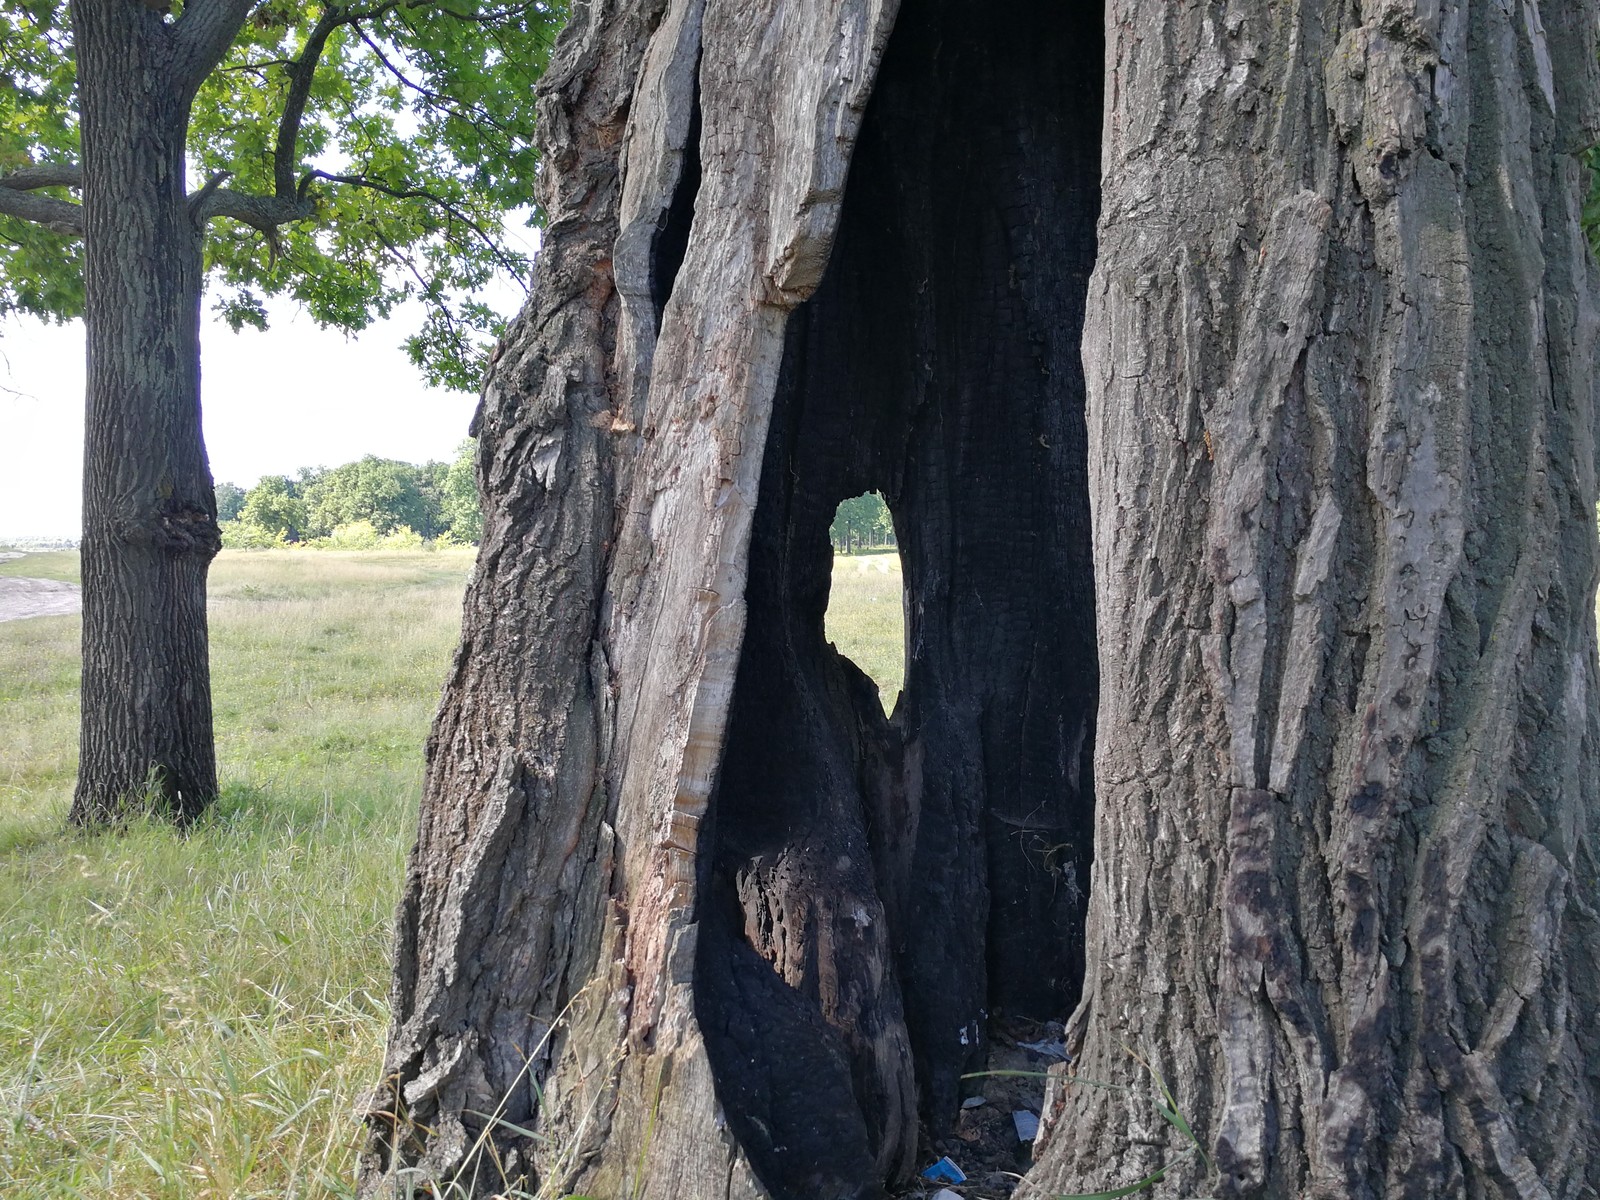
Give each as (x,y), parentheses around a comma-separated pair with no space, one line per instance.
(22,598)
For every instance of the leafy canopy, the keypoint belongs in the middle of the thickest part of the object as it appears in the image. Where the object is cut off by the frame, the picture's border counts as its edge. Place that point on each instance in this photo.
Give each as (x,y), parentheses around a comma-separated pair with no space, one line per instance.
(377,490)
(393,136)
(434,500)
(861,521)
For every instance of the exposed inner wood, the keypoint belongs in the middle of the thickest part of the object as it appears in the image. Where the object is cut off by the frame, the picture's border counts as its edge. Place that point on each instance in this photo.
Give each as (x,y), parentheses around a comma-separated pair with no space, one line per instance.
(878,890)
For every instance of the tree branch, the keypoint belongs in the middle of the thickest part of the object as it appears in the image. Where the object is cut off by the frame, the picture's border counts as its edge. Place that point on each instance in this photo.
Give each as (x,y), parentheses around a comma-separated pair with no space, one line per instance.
(264,213)
(511,268)
(258,67)
(301,72)
(202,36)
(43,176)
(475,113)
(198,200)
(58,216)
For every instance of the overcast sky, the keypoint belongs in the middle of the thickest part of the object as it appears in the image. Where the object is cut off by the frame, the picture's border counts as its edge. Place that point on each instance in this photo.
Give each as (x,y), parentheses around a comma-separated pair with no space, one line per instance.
(294,396)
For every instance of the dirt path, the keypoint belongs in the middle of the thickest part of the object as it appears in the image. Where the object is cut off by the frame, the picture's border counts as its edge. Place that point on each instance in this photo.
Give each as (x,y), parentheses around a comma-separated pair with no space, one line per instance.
(21,598)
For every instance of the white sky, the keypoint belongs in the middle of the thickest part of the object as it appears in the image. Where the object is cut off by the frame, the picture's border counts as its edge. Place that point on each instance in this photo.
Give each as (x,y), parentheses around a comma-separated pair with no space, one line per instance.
(294,396)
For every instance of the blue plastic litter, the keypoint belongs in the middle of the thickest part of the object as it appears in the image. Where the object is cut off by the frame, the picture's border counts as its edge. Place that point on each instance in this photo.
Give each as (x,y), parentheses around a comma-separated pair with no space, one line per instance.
(945,1171)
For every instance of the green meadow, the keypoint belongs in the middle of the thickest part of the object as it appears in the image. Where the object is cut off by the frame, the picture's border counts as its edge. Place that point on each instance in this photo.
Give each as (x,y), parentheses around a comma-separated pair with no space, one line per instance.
(199,1015)
(866,617)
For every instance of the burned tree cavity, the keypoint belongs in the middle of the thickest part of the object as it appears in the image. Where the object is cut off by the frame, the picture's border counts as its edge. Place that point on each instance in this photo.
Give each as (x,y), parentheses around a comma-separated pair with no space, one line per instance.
(880,889)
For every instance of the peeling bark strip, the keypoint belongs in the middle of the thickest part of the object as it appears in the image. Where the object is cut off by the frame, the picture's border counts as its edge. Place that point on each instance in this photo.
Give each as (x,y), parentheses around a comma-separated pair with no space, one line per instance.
(687,907)
(1342,421)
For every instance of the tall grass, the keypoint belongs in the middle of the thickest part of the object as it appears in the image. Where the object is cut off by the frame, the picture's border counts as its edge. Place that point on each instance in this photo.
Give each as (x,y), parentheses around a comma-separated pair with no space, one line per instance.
(199,1015)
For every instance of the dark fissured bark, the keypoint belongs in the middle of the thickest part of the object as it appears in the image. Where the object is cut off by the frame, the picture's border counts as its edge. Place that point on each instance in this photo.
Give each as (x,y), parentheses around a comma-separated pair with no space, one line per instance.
(686,905)
(150,528)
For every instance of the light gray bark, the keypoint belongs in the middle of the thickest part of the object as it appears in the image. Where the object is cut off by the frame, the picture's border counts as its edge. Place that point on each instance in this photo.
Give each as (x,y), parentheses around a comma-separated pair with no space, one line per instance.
(1342,420)
(554,874)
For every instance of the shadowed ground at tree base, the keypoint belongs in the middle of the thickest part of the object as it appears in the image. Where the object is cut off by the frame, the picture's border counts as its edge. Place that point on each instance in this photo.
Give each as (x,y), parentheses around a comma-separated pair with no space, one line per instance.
(883,893)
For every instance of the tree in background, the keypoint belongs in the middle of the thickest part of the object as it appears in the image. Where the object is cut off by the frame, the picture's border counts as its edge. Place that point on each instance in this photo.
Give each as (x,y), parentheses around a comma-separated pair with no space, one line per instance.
(351,156)
(276,507)
(230,499)
(458,496)
(432,500)
(378,490)
(861,521)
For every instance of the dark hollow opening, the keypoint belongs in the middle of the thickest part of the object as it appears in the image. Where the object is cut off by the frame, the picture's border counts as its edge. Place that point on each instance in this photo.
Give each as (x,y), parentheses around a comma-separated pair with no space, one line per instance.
(881,893)
(671,241)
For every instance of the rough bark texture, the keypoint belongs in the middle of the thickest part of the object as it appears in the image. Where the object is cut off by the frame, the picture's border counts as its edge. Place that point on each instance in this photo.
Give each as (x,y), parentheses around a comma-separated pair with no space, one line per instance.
(686,905)
(149,516)
(571,765)
(1342,449)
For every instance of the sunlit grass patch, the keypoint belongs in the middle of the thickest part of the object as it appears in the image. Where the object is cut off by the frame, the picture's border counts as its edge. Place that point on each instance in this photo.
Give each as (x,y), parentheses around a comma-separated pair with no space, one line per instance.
(866,617)
(200,1015)
(39,700)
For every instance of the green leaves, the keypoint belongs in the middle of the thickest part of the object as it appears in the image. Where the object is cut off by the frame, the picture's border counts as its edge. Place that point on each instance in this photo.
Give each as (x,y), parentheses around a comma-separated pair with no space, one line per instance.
(40,272)
(378,490)
(404,127)
(860,521)
(416,141)
(434,500)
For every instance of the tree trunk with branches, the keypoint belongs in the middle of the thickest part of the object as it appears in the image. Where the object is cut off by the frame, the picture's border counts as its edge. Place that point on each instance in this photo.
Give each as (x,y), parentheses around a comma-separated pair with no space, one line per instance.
(149,519)
(123,141)
(1280,614)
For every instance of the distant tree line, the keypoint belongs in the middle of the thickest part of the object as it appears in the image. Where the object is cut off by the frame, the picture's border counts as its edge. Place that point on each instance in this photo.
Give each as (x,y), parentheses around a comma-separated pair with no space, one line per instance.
(862,522)
(373,501)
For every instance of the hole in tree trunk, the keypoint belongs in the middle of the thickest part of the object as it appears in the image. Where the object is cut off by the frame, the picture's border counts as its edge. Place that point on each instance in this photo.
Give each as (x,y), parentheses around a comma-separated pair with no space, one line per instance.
(880,895)
(671,241)
(866,600)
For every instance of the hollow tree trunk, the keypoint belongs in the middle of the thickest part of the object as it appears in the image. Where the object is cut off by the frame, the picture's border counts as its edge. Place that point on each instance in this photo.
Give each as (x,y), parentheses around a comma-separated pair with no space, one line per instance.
(689,917)
(149,515)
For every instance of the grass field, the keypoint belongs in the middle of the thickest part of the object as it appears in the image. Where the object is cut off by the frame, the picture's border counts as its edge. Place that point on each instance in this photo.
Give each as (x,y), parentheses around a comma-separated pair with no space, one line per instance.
(199,1016)
(866,618)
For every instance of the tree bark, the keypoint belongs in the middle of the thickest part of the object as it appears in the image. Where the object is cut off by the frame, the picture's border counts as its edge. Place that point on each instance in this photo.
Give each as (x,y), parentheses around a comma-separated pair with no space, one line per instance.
(150,528)
(689,917)
(1342,443)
